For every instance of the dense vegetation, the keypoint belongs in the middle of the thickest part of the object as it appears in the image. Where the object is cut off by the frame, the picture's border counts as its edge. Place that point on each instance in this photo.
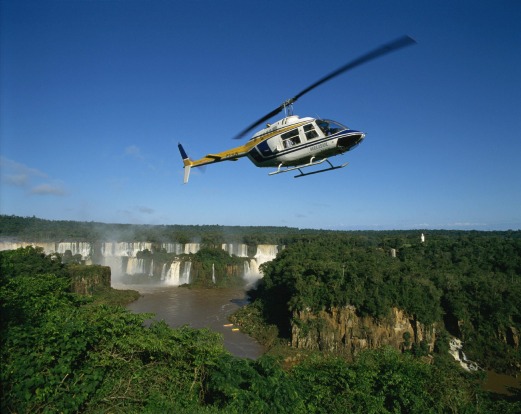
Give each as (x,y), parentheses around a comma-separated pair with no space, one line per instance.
(209,267)
(215,267)
(61,352)
(40,230)
(468,282)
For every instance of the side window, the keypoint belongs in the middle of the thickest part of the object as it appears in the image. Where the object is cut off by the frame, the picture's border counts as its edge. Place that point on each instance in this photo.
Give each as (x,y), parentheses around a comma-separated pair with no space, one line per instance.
(324,126)
(310,132)
(290,138)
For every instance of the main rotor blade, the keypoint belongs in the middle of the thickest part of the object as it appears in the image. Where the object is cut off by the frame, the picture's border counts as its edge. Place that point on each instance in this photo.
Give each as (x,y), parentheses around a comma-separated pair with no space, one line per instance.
(259,121)
(380,51)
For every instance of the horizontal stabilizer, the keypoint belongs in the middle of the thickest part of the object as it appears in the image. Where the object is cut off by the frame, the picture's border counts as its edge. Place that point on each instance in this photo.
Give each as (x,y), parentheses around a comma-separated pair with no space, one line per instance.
(220,158)
(187,173)
(230,155)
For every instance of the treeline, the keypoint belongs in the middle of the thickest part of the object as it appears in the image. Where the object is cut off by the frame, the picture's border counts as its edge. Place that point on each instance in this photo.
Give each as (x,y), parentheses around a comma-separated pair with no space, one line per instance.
(60,352)
(40,230)
(468,283)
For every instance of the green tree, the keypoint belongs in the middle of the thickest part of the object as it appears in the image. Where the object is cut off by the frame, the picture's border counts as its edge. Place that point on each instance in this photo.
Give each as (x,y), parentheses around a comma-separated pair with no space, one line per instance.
(245,386)
(61,353)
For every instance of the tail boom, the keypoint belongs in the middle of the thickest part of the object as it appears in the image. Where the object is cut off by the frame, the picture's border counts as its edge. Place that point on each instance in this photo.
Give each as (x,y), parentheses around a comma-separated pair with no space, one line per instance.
(230,155)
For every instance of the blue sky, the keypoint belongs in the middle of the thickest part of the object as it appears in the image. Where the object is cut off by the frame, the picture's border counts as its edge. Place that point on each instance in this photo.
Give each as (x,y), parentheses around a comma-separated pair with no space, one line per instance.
(95,96)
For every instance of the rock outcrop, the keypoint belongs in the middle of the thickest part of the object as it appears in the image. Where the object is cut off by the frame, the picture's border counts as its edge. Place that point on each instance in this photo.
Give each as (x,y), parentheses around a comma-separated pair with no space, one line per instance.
(343,330)
(510,336)
(84,279)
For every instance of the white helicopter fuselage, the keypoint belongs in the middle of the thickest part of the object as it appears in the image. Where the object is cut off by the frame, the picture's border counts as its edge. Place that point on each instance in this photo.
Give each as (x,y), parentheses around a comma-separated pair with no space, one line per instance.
(295,141)
(289,144)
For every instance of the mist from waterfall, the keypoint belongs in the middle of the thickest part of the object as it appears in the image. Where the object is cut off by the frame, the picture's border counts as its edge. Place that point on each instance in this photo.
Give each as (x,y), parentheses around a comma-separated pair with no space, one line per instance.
(127,261)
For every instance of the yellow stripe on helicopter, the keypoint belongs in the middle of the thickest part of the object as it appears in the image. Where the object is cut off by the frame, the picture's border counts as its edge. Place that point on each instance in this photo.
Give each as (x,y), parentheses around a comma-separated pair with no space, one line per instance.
(342,140)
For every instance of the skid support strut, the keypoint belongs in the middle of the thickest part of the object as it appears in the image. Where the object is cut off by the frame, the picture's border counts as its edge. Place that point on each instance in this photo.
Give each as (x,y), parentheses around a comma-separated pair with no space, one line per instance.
(311,163)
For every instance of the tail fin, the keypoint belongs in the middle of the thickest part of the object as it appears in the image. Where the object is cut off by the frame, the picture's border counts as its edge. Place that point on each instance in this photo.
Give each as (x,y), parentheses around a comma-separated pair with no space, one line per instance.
(186,162)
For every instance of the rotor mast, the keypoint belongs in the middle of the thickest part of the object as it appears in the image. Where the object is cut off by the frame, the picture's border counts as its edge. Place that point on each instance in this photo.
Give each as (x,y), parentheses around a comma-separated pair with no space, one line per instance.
(288,107)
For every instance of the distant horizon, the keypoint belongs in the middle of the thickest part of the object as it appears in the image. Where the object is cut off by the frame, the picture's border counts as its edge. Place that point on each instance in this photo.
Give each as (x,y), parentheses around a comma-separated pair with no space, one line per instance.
(96,95)
(369,228)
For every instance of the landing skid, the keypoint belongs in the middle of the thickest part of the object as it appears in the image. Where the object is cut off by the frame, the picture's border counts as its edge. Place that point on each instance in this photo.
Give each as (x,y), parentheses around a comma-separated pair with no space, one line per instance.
(311,163)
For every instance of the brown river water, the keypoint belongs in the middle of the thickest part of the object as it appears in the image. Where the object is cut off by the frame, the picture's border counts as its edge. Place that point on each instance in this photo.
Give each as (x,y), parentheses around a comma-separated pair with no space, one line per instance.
(198,308)
(502,384)
(210,308)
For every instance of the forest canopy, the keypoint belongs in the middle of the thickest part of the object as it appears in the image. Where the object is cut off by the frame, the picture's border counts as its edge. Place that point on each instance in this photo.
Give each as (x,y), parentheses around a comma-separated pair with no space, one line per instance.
(60,352)
(469,283)
(40,230)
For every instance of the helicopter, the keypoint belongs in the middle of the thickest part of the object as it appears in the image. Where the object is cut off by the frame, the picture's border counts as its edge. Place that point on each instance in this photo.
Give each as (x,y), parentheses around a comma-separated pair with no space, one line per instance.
(294,143)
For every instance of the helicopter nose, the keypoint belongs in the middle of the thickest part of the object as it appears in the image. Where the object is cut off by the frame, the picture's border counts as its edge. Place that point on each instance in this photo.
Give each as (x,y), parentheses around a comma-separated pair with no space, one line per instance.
(350,141)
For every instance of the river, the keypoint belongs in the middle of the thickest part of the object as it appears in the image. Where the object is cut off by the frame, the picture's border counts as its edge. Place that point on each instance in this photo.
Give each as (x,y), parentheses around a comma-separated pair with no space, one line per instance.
(198,308)
(494,382)
(210,308)
(501,383)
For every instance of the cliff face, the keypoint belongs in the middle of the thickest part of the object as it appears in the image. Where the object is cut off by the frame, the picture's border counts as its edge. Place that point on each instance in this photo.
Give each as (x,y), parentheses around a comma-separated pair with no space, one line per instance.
(85,278)
(342,330)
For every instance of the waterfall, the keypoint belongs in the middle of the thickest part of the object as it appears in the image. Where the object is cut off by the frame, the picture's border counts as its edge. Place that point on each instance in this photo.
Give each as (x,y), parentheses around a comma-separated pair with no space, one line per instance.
(116,267)
(185,277)
(82,248)
(456,350)
(172,276)
(176,248)
(124,249)
(177,274)
(237,249)
(163,272)
(213,273)
(192,248)
(251,272)
(266,253)
(135,266)
(121,257)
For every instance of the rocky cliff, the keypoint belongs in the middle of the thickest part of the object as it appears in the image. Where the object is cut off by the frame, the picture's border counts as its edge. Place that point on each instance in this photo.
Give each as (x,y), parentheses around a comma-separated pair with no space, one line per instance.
(85,278)
(343,330)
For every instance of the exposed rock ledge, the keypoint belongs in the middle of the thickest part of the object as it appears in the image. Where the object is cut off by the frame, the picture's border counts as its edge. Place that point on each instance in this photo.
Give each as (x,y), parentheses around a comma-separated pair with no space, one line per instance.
(342,330)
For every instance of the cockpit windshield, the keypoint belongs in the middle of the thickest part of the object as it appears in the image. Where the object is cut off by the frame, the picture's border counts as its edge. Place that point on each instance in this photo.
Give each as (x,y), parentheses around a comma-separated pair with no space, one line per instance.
(330,127)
